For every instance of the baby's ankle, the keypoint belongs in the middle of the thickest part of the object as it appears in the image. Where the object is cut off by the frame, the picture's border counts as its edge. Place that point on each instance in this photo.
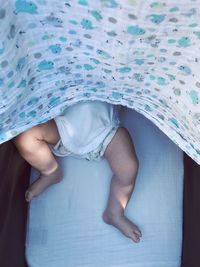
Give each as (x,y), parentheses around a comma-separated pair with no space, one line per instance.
(109,215)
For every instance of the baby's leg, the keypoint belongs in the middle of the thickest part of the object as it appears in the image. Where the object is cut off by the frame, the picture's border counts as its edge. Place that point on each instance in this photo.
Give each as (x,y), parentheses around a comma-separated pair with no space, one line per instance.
(33,147)
(122,158)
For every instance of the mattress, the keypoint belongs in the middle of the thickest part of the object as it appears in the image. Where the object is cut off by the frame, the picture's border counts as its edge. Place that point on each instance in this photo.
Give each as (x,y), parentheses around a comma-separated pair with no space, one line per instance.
(65,226)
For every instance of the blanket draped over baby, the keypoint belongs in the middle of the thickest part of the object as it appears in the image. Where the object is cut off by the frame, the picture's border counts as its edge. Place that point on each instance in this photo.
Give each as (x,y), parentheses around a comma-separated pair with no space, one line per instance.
(141,54)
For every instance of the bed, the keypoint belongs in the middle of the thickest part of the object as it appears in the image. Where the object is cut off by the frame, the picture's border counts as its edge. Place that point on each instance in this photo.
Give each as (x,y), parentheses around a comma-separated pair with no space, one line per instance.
(65,227)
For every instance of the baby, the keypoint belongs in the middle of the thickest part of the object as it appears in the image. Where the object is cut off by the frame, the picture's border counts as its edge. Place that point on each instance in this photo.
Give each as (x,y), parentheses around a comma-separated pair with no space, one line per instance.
(90,130)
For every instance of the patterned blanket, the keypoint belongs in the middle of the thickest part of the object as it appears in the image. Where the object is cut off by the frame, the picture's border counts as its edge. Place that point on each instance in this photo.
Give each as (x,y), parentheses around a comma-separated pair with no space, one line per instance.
(140,54)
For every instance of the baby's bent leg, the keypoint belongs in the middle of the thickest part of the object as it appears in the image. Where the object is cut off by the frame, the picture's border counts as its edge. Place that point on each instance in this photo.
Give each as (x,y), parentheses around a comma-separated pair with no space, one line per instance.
(123,161)
(33,147)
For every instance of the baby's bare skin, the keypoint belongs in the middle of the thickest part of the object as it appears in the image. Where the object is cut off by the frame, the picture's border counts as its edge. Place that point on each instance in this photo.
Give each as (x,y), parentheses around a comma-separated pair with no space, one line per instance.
(44,181)
(123,161)
(120,153)
(33,146)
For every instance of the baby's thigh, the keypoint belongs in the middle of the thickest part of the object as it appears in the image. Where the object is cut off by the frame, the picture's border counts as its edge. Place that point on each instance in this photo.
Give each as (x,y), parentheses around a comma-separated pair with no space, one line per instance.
(49,132)
(43,132)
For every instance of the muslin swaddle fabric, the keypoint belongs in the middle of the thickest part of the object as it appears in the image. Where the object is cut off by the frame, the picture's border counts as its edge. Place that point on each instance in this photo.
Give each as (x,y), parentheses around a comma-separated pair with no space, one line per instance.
(137,53)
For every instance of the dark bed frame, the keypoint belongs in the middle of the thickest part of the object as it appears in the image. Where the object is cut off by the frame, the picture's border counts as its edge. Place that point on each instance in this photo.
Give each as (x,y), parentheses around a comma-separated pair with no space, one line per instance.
(14,178)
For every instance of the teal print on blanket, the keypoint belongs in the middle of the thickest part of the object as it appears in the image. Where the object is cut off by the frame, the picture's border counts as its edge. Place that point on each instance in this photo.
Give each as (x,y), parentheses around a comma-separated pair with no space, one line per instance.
(174,9)
(96,61)
(148,108)
(177,91)
(54,101)
(124,69)
(184,42)
(194,97)
(174,122)
(117,95)
(33,101)
(22,115)
(46,65)
(88,67)
(161,81)
(109,3)
(157,18)
(135,30)
(103,54)
(87,24)
(20,64)
(197,34)
(185,70)
(139,61)
(12,32)
(54,53)
(83,2)
(56,49)
(96,15)
(157,5)
(26,6)
(53,20)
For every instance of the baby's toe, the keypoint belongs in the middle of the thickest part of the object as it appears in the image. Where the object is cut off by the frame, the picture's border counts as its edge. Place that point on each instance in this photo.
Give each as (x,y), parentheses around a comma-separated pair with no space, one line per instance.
(28,196)
(138,232)
(135,237)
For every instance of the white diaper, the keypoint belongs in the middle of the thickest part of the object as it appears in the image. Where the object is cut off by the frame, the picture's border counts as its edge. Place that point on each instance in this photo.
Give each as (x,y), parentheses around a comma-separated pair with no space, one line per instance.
(86,129)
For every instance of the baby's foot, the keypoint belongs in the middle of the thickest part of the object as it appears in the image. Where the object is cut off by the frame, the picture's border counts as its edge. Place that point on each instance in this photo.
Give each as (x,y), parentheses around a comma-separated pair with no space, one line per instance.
(128,228)
(44,181)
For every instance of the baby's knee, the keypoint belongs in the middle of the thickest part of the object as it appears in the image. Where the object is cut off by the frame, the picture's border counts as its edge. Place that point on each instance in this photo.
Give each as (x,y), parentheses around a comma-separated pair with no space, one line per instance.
(132,168)
(21,141)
